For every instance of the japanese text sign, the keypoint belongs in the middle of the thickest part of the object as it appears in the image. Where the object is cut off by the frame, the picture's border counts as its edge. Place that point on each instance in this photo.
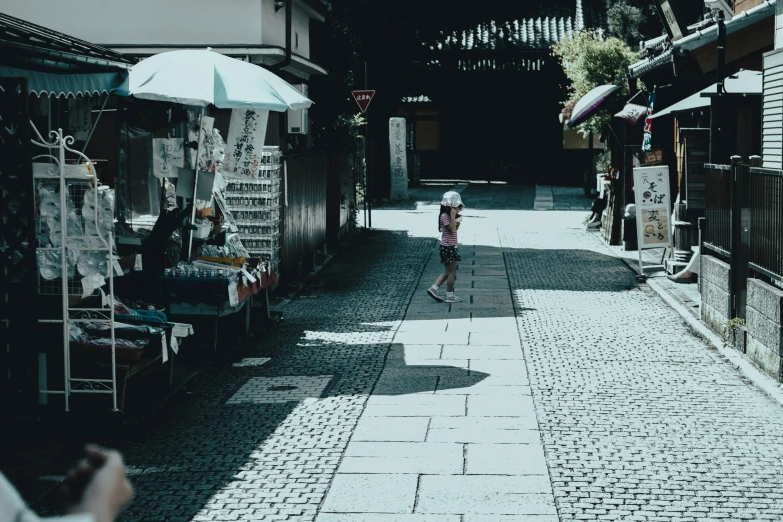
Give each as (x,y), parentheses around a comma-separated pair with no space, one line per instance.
(653,206)
(80,117)
(363,98)
(399,158)
(246,135)
(168,154)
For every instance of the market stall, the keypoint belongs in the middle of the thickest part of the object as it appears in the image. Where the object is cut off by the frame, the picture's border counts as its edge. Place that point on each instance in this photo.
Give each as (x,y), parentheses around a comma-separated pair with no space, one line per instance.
(208,241)
(226,192)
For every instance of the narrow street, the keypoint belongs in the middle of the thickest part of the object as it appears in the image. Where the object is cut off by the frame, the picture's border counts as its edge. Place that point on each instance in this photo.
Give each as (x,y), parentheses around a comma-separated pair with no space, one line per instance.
(533,400)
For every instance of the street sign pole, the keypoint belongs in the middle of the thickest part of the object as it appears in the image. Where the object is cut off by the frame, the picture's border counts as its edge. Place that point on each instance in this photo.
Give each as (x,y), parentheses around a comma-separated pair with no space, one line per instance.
(366,159)
(363,99)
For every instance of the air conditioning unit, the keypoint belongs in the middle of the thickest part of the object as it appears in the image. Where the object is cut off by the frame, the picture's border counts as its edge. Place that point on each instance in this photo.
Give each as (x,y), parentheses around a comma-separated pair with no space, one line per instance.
(298,121)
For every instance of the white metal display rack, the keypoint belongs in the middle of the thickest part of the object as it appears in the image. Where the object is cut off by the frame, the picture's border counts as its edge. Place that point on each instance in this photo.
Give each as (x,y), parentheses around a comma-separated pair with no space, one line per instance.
(78,247)
(255,207)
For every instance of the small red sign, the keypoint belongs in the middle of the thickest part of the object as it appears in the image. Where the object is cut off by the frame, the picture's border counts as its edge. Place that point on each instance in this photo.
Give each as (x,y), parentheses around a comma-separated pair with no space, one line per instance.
(363,98)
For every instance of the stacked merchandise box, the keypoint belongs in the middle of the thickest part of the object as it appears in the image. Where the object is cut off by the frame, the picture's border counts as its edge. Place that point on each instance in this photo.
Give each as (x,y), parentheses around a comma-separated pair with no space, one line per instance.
(255,207)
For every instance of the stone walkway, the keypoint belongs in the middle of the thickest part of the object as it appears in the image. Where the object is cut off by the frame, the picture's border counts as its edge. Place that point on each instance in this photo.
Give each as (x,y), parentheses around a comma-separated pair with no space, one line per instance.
(450,429)
(559,390)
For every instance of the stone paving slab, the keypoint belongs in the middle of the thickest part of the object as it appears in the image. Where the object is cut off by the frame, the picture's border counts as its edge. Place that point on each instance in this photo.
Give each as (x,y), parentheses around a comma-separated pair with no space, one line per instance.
(520,406)
(449,363)
(511,518)
(485,494)
(494,430)
(506,459)
(408,449)
(374,517)
(453,408)
(474,352)
(403,464)
(371,493)
(375,429)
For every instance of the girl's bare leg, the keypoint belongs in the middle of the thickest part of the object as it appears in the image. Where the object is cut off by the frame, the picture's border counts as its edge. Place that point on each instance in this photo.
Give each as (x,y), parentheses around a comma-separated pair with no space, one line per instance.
(441,279)
(451,269)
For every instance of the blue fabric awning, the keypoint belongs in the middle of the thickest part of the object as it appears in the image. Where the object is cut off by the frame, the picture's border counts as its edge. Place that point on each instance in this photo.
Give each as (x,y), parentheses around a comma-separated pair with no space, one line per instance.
(70,85)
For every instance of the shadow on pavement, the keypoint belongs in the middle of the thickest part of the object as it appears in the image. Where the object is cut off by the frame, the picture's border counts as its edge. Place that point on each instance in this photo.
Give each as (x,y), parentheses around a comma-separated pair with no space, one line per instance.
(198,453)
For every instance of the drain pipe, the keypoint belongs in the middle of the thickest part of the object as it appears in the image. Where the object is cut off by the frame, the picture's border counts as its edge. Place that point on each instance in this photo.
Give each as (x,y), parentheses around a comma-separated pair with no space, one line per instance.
(289,16)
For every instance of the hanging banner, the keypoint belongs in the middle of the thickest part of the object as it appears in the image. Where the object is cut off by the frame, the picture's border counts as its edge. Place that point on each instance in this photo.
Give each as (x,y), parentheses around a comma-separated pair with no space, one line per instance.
(632,113)
(168,154)
(399,158)
(80,117)
(647,144)
(653,206)
(246,135)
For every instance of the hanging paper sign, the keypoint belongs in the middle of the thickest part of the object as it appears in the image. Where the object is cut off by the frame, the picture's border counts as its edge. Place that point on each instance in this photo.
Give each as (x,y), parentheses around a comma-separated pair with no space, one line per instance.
(632,113)
(246,134)
(207,124)
(80,117)
(233,294)
(653,206)
(647,144)
(399,158)
(168,155)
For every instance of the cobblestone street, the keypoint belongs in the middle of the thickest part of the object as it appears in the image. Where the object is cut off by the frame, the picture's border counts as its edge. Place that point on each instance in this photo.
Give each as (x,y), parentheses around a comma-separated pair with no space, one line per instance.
(560,389)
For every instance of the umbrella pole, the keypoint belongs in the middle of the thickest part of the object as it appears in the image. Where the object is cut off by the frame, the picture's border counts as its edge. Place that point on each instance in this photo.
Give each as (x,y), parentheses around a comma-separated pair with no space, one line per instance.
(195,188)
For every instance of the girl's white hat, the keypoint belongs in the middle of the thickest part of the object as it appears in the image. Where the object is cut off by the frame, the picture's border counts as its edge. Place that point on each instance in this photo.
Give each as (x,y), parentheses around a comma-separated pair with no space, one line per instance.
(451,199)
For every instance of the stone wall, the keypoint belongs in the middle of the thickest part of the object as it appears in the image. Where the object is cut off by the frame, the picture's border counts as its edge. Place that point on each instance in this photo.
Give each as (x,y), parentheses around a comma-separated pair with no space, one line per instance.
(714,286)
(765,344)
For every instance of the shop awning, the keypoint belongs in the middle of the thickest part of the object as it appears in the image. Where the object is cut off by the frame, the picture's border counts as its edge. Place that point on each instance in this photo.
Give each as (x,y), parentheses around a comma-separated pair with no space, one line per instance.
(70,85)
(744,82)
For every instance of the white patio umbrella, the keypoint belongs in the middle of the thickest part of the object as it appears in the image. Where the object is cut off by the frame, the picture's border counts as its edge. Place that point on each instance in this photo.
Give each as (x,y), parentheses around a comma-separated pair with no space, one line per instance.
(204,77)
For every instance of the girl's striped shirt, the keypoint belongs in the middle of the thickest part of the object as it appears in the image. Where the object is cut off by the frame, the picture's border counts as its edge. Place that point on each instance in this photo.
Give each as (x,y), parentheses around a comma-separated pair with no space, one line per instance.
(447,238)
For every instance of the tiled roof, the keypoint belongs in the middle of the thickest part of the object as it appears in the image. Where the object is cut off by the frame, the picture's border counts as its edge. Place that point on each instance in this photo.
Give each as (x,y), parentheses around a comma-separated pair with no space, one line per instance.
(25,41)
(555,23)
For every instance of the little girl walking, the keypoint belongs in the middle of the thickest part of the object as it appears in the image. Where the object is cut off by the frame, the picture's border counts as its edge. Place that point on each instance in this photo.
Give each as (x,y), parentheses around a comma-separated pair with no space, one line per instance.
(449,221)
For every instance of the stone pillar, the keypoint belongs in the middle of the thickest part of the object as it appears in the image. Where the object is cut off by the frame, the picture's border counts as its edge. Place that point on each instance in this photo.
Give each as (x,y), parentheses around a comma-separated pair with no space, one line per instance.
(685,236)
(715,287)
(399,158)
(764,319)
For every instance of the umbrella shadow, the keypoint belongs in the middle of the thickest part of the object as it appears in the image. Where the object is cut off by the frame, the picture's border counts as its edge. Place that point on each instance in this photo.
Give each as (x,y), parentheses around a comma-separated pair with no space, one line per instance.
(400,378)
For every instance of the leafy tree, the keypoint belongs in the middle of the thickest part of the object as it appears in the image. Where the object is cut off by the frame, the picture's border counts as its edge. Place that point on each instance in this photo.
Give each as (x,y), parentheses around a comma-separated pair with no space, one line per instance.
(633,21)
(589,61)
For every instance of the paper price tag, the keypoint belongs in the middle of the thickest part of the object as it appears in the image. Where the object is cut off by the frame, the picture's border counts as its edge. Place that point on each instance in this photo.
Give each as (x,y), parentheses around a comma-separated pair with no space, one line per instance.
(138,266)
(117,268)
(164,344)
(233,294)
(174,344)
(249,276)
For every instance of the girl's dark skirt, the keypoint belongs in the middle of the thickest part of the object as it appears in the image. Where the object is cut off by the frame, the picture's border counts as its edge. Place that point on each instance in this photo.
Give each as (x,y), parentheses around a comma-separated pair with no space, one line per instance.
(448,254)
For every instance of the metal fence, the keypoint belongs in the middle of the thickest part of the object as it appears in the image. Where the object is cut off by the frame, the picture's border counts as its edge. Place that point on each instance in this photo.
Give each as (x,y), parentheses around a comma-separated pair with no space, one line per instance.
(766,222)
(718,208)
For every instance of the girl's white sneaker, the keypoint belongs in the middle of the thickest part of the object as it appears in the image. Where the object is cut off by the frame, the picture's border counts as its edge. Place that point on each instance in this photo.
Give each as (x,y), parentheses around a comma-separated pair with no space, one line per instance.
(433,292)
(451,298)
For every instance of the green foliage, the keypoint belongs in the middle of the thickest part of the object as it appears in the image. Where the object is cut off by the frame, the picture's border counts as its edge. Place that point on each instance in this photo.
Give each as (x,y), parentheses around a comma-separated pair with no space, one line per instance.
(589,61)
(633,21)
(604,162)
(343,134)
(730,329)
(624,21)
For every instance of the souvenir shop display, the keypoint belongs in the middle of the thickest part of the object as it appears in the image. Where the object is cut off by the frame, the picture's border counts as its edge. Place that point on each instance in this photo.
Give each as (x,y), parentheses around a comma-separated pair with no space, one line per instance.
(254,205)
(76,261)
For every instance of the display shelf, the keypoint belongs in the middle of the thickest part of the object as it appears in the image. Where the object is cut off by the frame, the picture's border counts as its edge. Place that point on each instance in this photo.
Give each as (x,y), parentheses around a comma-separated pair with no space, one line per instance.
(74,219)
